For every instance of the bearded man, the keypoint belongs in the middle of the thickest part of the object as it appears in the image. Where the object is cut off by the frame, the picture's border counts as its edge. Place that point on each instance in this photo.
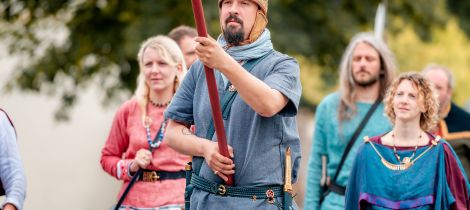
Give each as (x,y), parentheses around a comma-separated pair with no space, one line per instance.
(259,116)
(366,70)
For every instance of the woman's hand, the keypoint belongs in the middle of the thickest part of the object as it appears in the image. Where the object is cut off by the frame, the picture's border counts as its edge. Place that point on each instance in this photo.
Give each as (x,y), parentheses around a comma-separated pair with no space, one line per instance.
(221,165)
(142,159)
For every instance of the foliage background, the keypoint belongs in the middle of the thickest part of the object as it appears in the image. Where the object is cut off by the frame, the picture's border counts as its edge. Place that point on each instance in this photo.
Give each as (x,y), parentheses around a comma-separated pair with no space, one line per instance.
(101,38)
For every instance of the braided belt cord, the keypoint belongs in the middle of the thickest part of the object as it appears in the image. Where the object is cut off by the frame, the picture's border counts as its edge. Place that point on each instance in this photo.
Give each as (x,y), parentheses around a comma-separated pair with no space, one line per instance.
(247,192)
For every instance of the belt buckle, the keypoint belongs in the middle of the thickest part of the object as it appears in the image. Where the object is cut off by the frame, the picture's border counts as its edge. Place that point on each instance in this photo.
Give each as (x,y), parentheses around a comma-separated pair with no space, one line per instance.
(221,190)
(150,176)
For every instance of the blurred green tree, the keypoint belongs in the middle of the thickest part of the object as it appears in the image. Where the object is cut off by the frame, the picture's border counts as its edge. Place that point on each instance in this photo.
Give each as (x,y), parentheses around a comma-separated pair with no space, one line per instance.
(460,10)
(102,37)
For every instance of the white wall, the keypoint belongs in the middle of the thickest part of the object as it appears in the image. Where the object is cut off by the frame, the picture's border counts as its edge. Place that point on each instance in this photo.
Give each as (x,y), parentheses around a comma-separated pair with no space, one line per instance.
(61,160)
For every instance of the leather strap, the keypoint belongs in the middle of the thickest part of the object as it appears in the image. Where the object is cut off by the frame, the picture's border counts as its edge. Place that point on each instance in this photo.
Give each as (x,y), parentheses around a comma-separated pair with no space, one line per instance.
(226,104)
(338,189)
(138,173)
(334,187)
(355,135)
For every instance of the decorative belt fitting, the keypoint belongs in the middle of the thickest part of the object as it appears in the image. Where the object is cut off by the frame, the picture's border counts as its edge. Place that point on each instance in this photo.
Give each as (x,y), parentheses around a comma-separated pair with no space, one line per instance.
(150,176)
(221,190)
(270,195)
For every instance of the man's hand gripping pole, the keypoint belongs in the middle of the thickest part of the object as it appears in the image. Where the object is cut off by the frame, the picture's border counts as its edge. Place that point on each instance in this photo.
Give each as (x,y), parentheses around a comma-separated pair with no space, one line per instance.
(212,87)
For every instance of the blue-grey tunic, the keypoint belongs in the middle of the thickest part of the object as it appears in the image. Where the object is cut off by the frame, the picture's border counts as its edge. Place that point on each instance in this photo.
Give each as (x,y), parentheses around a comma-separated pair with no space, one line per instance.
(259,143)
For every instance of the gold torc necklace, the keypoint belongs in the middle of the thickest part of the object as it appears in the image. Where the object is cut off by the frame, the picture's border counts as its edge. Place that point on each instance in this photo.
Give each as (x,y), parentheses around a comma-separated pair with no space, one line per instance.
(407,161)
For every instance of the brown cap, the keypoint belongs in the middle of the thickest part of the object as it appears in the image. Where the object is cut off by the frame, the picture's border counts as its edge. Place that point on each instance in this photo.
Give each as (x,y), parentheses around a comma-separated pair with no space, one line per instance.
(263,4)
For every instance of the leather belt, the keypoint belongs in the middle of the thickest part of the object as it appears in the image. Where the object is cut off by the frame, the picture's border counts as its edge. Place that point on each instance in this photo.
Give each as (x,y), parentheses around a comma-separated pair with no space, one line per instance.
(261,192)
(336,188)
(153,176)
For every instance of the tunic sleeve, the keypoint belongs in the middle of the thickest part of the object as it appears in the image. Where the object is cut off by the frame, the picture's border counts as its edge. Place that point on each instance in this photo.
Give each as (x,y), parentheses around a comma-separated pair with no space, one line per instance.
(181,107)
(11,169)
(456,180)
(285,78)
(116,144)
(313,189)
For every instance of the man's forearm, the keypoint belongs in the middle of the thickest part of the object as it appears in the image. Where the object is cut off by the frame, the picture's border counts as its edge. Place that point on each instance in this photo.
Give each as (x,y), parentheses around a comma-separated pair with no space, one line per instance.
(257,94)
(181,139)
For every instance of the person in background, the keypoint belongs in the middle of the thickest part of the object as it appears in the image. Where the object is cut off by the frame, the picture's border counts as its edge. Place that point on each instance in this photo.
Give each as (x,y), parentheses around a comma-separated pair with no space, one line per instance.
(366,70)
(12,176)
(454,122)
(408,167)
(137,138)
(185,37)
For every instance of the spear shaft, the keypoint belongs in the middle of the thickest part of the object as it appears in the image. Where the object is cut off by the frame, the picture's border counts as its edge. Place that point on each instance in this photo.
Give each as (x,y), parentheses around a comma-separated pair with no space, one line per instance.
(212,87)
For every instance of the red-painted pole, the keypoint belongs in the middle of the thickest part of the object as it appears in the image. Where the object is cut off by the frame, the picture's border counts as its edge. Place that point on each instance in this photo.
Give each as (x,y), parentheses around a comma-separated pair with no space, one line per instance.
(212,87)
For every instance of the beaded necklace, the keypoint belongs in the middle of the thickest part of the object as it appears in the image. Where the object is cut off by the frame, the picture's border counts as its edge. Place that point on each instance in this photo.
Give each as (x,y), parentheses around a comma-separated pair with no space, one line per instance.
(157,141)
(159,105)
(405,159)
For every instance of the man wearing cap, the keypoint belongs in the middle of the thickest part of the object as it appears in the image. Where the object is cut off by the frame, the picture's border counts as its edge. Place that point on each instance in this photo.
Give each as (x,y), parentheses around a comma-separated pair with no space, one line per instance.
(259,121)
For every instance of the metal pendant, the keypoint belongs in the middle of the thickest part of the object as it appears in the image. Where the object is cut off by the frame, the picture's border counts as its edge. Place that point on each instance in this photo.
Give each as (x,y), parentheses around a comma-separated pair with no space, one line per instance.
(406,160)
(396,167)
(270,195)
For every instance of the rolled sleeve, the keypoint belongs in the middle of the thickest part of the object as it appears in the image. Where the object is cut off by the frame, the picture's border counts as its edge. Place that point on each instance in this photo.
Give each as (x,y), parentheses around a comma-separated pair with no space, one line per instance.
(285,78)
(181,107)
(11,168)
(117,142)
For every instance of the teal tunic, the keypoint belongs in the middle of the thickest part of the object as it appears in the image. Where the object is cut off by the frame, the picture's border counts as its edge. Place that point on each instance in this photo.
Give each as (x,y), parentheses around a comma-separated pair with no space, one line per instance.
(330,139)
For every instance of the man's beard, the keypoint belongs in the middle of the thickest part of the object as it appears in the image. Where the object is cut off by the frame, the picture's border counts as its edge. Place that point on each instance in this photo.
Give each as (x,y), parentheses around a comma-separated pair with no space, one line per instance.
(367,83)
(443,107)
(233,36)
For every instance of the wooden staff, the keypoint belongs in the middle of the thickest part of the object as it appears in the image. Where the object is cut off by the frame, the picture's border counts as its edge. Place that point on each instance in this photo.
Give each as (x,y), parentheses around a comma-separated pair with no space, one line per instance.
(212,87)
